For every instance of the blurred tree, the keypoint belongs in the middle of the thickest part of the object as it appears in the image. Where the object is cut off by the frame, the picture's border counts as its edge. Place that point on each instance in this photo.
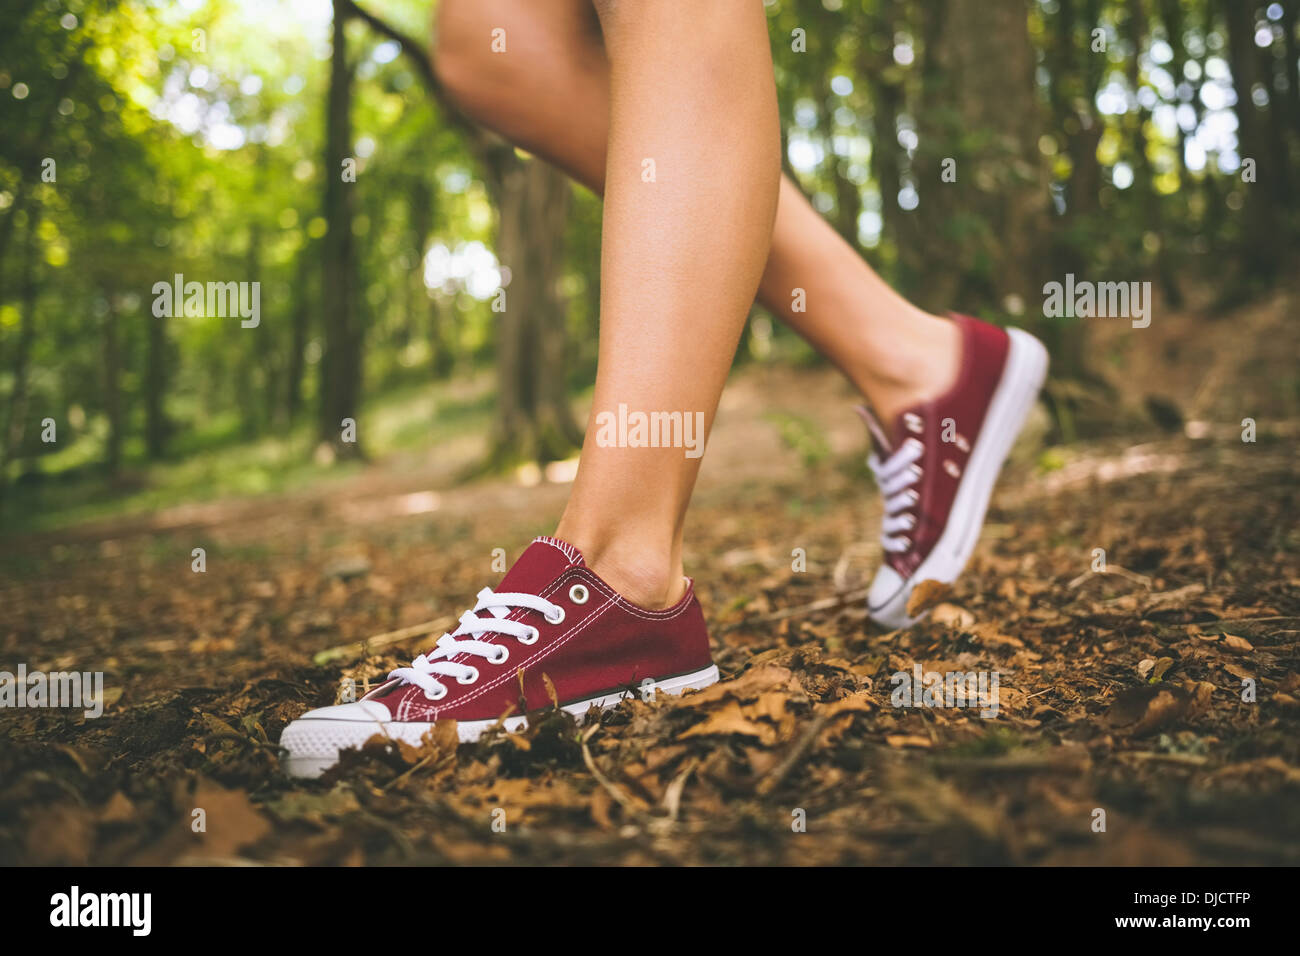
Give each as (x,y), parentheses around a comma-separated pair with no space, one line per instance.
(534,421)
(979,122)
(340,389)
(1261,224)
(134,151)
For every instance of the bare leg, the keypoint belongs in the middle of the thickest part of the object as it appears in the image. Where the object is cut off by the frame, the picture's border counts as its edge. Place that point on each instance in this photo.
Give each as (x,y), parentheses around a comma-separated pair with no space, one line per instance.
(682,253)
(550,93)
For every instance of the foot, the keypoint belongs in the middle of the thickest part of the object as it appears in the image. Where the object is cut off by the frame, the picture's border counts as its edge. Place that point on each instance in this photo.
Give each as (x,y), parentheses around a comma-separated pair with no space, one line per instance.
(552,617)
(938,461)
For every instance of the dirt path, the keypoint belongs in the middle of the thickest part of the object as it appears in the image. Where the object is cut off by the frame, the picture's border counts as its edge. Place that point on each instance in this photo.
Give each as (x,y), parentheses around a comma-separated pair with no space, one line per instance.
(1120,694)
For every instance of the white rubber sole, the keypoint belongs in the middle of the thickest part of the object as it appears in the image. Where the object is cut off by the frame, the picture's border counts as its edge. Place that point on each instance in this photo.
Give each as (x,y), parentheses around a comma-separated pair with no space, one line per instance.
(1022,379)
(314,743)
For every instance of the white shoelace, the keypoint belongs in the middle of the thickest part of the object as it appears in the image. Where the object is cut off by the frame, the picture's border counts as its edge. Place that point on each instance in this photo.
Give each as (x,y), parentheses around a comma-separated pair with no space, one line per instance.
(895,477)
(438,661)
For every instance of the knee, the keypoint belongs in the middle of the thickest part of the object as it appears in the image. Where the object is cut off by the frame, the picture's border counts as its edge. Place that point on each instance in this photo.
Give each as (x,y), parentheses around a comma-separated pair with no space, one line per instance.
(607,13)
(462,54)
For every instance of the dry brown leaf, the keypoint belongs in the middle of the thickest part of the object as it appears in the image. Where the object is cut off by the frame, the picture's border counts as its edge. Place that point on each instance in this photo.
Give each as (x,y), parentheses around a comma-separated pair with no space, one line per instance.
(950,615)
(926,595)
(731,718)
(860,702)
(747,686)
(1161,668)
(989,636)
(231,820)
(1238,645)
(118,809)
(1141,710)
(550,690)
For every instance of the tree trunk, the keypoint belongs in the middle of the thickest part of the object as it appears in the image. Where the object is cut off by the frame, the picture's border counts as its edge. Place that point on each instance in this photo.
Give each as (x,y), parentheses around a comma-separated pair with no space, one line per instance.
(875,63)
(1144,171)
(1292,62)
(533,420)
(299,323)
(16,417)
(340,385)
(982,237)
(1279,130)
(1259,223)
(1074,92)
(248,351)
(155,388)
(113,391)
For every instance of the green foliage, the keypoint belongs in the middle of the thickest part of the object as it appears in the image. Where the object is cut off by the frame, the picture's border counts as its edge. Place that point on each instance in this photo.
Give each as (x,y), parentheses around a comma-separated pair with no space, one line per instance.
(802,436)
(189,138)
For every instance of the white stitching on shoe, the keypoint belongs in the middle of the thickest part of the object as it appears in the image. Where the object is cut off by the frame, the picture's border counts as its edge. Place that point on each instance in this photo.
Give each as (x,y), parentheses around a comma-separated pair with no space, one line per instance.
(566,549)
(541,656)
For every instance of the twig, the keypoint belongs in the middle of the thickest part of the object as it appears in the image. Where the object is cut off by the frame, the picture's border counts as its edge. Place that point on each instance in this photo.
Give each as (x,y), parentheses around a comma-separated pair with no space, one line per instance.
(1133,576)
(1015,763)
(778,773)
(357,648)
(673,795)
(825,604)
(1190,760)
(422,762)
(1252,620)
(615,791)
(840,576)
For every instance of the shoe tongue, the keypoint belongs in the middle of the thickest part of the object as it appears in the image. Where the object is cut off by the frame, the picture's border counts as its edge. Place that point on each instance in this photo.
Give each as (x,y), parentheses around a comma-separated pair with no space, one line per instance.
(541,563)
(884,447)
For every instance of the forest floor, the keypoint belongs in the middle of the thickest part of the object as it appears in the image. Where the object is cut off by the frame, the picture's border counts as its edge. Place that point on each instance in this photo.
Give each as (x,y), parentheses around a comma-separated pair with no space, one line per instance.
(1123,696)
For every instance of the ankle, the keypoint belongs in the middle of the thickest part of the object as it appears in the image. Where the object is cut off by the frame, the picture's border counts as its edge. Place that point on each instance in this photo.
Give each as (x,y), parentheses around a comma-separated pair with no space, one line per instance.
(920,362)
(646,576)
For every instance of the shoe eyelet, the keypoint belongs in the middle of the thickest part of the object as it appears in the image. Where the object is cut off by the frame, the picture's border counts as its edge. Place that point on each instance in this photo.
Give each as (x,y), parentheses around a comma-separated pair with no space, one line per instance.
(558,619)
(533,635)
(502,657)
(438,696)
(578,594)
(470,679)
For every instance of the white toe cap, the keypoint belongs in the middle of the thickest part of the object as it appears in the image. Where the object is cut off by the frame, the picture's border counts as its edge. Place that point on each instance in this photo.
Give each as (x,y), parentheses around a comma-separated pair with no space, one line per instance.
(364,710)
(885,588)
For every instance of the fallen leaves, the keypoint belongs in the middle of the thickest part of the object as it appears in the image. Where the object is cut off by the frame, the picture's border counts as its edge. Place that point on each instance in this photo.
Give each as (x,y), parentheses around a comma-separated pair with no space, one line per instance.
(952,616)
(926,595)
(1155,670)
(1127,683)
(1141,710)
(1237,645)
(754,705)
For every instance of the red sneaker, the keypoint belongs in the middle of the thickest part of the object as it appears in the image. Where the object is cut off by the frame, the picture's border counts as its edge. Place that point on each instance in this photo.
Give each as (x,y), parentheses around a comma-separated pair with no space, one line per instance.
(552,616)
(937,467)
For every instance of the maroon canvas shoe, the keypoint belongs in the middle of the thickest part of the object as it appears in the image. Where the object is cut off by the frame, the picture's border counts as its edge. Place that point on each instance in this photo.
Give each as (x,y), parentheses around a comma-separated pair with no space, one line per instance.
(551,616)
(937,465)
